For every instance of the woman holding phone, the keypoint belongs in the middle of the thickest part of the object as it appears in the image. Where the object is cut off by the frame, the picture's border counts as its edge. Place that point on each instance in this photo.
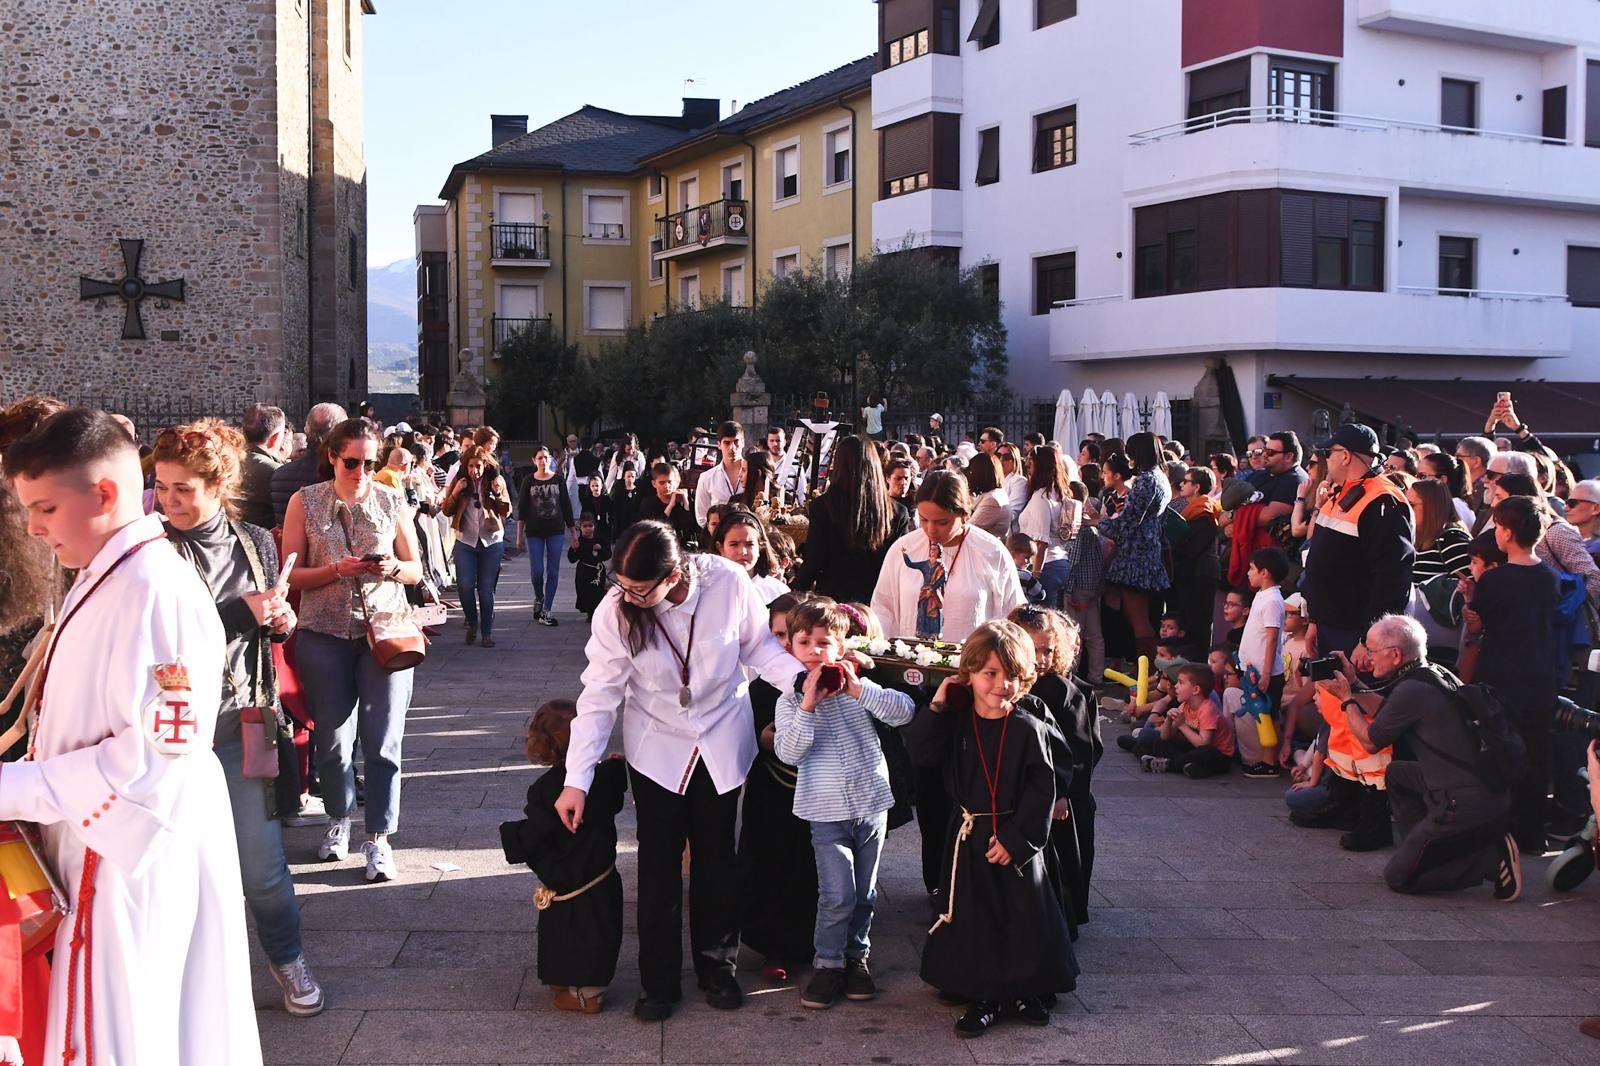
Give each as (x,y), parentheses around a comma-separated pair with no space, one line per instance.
(357,548)
(197,470)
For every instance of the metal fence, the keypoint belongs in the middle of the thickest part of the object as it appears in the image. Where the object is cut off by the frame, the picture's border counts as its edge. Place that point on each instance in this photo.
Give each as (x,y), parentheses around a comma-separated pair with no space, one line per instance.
(150,415)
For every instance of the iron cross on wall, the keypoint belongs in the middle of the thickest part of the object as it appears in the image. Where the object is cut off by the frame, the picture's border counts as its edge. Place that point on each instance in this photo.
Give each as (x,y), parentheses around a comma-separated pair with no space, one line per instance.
(132,288)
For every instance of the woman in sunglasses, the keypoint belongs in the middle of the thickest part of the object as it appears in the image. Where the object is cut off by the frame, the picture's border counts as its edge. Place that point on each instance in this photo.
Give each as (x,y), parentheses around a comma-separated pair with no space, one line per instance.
(356,548)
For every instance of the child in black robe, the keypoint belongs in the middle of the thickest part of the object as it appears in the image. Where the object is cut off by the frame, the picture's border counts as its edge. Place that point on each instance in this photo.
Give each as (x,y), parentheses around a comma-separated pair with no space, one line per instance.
(1074,713)
(776,862)
(591,553)
(580,893)
(1001,943)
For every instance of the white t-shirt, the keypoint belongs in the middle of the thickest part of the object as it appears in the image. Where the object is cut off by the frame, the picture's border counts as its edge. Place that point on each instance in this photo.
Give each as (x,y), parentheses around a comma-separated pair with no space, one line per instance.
(1266,612)
(874,417)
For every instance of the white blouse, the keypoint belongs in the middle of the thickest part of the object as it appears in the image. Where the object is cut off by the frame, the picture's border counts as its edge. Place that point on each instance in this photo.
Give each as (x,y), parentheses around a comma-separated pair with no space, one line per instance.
(982,585)
(1044,518)
(661,739)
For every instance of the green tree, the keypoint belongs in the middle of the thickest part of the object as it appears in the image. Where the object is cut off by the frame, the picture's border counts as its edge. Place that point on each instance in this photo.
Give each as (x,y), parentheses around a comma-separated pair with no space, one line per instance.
(537,371)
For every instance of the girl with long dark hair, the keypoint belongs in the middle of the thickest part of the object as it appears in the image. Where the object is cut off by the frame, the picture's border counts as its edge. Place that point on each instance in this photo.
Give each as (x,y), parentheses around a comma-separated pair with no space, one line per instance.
(1051,519)
(852,524)
(1136,572)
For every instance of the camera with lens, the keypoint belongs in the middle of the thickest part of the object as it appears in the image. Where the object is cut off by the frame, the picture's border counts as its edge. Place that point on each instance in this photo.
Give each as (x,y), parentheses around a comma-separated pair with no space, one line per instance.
(1320,669)
(1571,718)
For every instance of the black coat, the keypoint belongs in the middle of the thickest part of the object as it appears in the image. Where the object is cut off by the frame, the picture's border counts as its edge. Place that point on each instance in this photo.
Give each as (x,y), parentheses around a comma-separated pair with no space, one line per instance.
(776,864)
(831,568)
(578,938)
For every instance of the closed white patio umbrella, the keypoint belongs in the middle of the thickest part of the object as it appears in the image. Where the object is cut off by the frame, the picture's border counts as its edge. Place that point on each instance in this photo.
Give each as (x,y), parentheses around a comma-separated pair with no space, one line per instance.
(1066,428)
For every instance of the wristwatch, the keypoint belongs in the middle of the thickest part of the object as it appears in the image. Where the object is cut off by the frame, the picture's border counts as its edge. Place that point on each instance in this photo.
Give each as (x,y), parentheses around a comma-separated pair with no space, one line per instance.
(1349,703)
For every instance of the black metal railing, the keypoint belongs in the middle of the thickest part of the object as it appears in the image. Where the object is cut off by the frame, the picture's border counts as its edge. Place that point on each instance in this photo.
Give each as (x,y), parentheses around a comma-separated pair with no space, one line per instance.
(507,329)
(519,240)
(703,224)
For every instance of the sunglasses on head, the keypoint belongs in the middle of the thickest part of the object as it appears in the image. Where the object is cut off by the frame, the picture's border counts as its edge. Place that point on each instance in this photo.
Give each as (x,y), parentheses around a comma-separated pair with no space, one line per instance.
(352,463)
(193,440)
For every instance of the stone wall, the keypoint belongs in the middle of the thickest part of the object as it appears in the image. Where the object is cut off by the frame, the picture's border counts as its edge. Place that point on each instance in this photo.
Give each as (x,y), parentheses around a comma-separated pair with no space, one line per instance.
(153,121)
(294,50)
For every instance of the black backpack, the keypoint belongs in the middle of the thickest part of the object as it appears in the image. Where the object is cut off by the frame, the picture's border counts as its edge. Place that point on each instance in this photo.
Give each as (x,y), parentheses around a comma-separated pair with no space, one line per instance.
(1502,756)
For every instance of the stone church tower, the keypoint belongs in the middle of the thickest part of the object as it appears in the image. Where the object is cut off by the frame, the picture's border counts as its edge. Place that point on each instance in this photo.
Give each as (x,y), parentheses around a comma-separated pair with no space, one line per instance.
(183,204)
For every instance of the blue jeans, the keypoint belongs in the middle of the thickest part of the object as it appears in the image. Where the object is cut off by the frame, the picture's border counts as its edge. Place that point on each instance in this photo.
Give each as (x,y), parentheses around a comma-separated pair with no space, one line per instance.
(348,693)
(1310,799)
(477,574)
(1053,576)
(847,886)
(268,888)
(544,567)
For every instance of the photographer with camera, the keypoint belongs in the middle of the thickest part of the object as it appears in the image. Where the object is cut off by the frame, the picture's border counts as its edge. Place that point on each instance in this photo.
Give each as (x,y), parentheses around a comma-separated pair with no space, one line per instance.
(1451,818)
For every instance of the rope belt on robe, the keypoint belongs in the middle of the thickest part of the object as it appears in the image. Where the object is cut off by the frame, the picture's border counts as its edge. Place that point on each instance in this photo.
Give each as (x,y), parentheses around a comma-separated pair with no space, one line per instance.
(544,895)
(968,820)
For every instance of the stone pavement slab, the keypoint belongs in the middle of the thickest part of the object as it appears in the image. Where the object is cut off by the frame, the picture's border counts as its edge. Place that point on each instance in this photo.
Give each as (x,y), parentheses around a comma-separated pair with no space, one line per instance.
(1219,933)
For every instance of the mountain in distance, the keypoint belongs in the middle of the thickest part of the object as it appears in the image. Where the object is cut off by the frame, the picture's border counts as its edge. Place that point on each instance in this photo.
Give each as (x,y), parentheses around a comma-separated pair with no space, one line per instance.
(392,327)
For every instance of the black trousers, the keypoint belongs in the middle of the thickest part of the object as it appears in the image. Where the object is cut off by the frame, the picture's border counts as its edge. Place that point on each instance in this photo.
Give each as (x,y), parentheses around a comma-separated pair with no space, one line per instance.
(705,821)
(933,822)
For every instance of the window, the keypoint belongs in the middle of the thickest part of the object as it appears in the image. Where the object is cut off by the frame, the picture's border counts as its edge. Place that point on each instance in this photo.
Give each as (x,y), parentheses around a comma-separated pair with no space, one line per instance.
(986,27)
(1297,89)
(836,157)
(988,156)
(1055,278)
(688,193)
(786,173)
(908,48)
(1049,12)
(733,284)
(1458,271)
(1256,238)
(1554,127)
(689,290)
(1583,276)
(1591,121)
(910,29)
(1219,89)
(733,181)
(784,263)
(354,259)
(1055,139)
(605,216)
(656,186)
(920,153)
(836,260)
(606,308)
(656,272)
(1458,104)
(989,286)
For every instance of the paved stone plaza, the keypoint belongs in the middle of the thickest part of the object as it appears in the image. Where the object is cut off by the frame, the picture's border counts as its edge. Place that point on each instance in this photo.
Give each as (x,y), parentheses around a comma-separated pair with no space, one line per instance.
(1218,933)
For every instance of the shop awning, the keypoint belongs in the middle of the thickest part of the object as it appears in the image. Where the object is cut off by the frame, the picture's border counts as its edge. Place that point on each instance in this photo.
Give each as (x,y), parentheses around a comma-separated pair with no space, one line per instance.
(1453,408)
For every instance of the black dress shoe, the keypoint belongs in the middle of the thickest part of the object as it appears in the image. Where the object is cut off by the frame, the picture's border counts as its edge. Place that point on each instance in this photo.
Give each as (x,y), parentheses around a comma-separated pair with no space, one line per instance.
(652,1009)
(722,991)
(979,1017)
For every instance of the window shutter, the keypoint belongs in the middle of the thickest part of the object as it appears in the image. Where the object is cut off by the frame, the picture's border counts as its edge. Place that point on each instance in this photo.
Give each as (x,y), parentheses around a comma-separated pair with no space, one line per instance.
(1049,12)
(606,210)
(1554,127)
(608,308)
(1297,223)
(1591,121)
(988,156)
(946,172)
(907,148)
(1253,229)
(1213,234)
(903,17)
(1333,216)
(1220,80)
(1042,125)
(1583,276)
(988,15)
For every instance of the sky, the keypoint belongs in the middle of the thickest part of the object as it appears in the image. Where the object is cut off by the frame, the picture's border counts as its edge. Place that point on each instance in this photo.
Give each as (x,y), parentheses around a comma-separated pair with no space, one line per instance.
(437,69)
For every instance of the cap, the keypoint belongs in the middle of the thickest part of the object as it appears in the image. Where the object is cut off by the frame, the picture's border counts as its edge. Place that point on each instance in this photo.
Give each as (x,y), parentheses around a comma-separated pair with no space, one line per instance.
(1587,490)
(402,427)
(1295,602)
(1353,437)
(936,417)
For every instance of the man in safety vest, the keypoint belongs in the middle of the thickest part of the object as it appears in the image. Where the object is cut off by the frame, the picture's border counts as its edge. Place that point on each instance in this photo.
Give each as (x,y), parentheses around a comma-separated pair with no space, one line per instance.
(1361,551)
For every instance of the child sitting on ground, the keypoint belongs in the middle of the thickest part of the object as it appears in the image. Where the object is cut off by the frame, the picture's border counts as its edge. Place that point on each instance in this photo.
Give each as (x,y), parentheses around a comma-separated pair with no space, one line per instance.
(591,553)
(1020,545)
(842,788)
(579,897)
(1001,945)
(1196,739)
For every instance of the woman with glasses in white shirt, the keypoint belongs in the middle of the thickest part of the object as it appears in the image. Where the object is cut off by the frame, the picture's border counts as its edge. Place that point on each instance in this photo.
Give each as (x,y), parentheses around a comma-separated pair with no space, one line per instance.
(667,646)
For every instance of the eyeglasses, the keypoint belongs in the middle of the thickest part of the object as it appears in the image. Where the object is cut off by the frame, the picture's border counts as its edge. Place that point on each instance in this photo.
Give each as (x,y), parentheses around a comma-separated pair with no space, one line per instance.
(1574,502)
(1492,475)
(634,594)
(194,439)
(1256,451)
(1271,451)
(353,463)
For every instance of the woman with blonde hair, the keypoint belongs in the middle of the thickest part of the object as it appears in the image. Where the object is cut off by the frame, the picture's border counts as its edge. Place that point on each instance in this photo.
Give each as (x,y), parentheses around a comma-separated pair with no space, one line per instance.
(198,468)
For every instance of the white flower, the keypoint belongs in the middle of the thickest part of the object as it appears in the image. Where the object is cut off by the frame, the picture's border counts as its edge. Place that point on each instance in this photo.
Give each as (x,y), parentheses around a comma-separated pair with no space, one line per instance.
(878,646)
(927,657)
(953,661)
(856,643)
(902,649)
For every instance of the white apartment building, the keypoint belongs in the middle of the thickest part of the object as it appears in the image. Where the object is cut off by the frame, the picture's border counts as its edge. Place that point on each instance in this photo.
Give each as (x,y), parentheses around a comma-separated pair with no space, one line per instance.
(1390,205)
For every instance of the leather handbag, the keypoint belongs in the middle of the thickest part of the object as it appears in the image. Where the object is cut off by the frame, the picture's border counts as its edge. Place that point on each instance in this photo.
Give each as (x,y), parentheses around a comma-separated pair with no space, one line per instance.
(396,640)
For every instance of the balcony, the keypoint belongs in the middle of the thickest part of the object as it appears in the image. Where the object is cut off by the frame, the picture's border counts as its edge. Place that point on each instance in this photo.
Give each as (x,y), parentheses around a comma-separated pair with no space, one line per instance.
(926,217)
(719,224)
(927,83)
(1540,26)
(1289,147)
(519,244)
(505,330)
(1407,322)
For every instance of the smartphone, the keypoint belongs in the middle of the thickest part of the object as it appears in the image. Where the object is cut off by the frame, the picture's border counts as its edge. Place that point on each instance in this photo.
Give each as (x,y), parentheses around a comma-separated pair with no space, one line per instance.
(287,569)
(372,557)
(1502,397)
(958,697)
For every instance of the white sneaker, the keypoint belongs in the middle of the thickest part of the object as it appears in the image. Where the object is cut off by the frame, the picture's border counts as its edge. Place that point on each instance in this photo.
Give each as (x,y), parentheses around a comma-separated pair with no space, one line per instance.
(302,996)
(380,860)
(336,842)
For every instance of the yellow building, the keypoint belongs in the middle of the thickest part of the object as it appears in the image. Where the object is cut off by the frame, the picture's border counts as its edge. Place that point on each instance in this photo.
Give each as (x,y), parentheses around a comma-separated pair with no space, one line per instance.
(600,220)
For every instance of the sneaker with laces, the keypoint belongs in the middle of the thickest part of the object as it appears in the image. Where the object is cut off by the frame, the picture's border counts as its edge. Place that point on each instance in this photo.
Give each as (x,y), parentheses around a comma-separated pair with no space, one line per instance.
(302,995)
(858,984)
(547,619)
(336,842)
(979,1017)
(825,988)
(380,860)
(1260,769)
(1153,764)
(1508,871)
